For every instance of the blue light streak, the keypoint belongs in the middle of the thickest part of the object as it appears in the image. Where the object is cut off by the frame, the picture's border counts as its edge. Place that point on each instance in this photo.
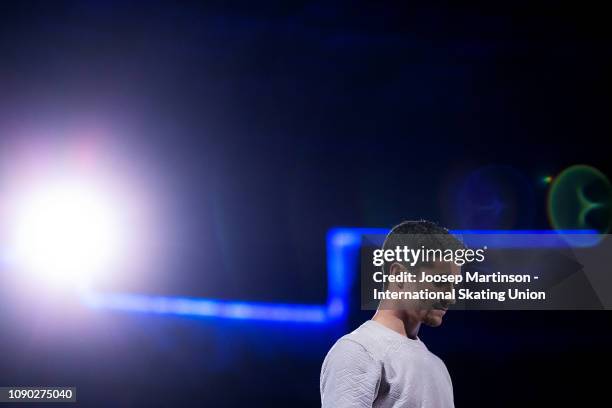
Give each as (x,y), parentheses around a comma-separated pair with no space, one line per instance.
(181,306)
(342,256)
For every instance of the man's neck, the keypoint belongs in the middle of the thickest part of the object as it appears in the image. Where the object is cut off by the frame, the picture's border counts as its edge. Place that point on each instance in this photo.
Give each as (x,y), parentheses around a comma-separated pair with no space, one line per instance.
(399,321)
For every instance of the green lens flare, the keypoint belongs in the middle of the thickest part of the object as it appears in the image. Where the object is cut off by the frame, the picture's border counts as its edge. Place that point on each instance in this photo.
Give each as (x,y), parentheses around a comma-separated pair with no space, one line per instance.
(580,198)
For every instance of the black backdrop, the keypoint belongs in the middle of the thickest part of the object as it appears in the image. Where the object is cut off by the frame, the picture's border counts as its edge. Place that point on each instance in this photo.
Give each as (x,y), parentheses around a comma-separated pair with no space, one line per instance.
(273,122)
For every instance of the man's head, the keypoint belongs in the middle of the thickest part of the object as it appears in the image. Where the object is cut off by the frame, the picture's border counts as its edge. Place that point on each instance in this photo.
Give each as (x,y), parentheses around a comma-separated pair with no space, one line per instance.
(431,240)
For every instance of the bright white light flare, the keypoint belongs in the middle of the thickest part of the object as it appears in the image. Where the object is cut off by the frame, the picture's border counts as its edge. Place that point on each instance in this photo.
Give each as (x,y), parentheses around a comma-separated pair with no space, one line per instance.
(66,232)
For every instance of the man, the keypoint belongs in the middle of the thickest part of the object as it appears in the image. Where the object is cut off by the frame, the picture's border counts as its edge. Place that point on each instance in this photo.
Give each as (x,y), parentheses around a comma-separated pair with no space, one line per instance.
(383,363)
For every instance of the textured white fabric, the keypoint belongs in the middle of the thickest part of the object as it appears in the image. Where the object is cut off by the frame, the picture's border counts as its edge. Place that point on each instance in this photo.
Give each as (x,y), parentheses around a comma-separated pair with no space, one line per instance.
(376,367)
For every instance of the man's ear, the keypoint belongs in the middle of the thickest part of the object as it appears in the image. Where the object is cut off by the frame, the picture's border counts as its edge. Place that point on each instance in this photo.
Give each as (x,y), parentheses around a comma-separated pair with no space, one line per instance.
(396,269)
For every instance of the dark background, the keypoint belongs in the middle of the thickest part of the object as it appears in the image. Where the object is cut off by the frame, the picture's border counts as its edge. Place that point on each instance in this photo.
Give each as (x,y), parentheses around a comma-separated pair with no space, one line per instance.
(265,124)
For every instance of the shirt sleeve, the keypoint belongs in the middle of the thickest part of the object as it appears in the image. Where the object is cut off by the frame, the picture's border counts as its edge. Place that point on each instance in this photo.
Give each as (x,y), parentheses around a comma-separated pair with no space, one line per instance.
(350,377)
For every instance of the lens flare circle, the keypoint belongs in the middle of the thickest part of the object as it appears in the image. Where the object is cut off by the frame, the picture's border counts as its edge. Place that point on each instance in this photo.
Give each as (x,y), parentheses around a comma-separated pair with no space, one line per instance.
(581,198)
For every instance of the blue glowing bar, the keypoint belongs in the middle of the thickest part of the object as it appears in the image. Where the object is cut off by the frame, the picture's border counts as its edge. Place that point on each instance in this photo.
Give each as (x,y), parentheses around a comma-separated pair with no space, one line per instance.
(342,249)
(181,306)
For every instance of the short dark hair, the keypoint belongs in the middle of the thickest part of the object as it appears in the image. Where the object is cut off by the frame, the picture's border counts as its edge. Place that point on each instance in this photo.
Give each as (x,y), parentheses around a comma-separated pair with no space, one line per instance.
(416,234)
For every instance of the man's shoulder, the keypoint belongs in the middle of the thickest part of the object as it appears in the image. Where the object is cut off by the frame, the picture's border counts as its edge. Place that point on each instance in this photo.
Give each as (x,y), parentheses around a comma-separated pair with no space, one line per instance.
(348,349)
(362,340)
(350,355)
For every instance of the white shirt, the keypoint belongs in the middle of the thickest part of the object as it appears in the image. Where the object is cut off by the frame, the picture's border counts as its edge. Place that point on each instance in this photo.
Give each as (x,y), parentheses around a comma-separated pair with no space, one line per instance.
(375,366)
